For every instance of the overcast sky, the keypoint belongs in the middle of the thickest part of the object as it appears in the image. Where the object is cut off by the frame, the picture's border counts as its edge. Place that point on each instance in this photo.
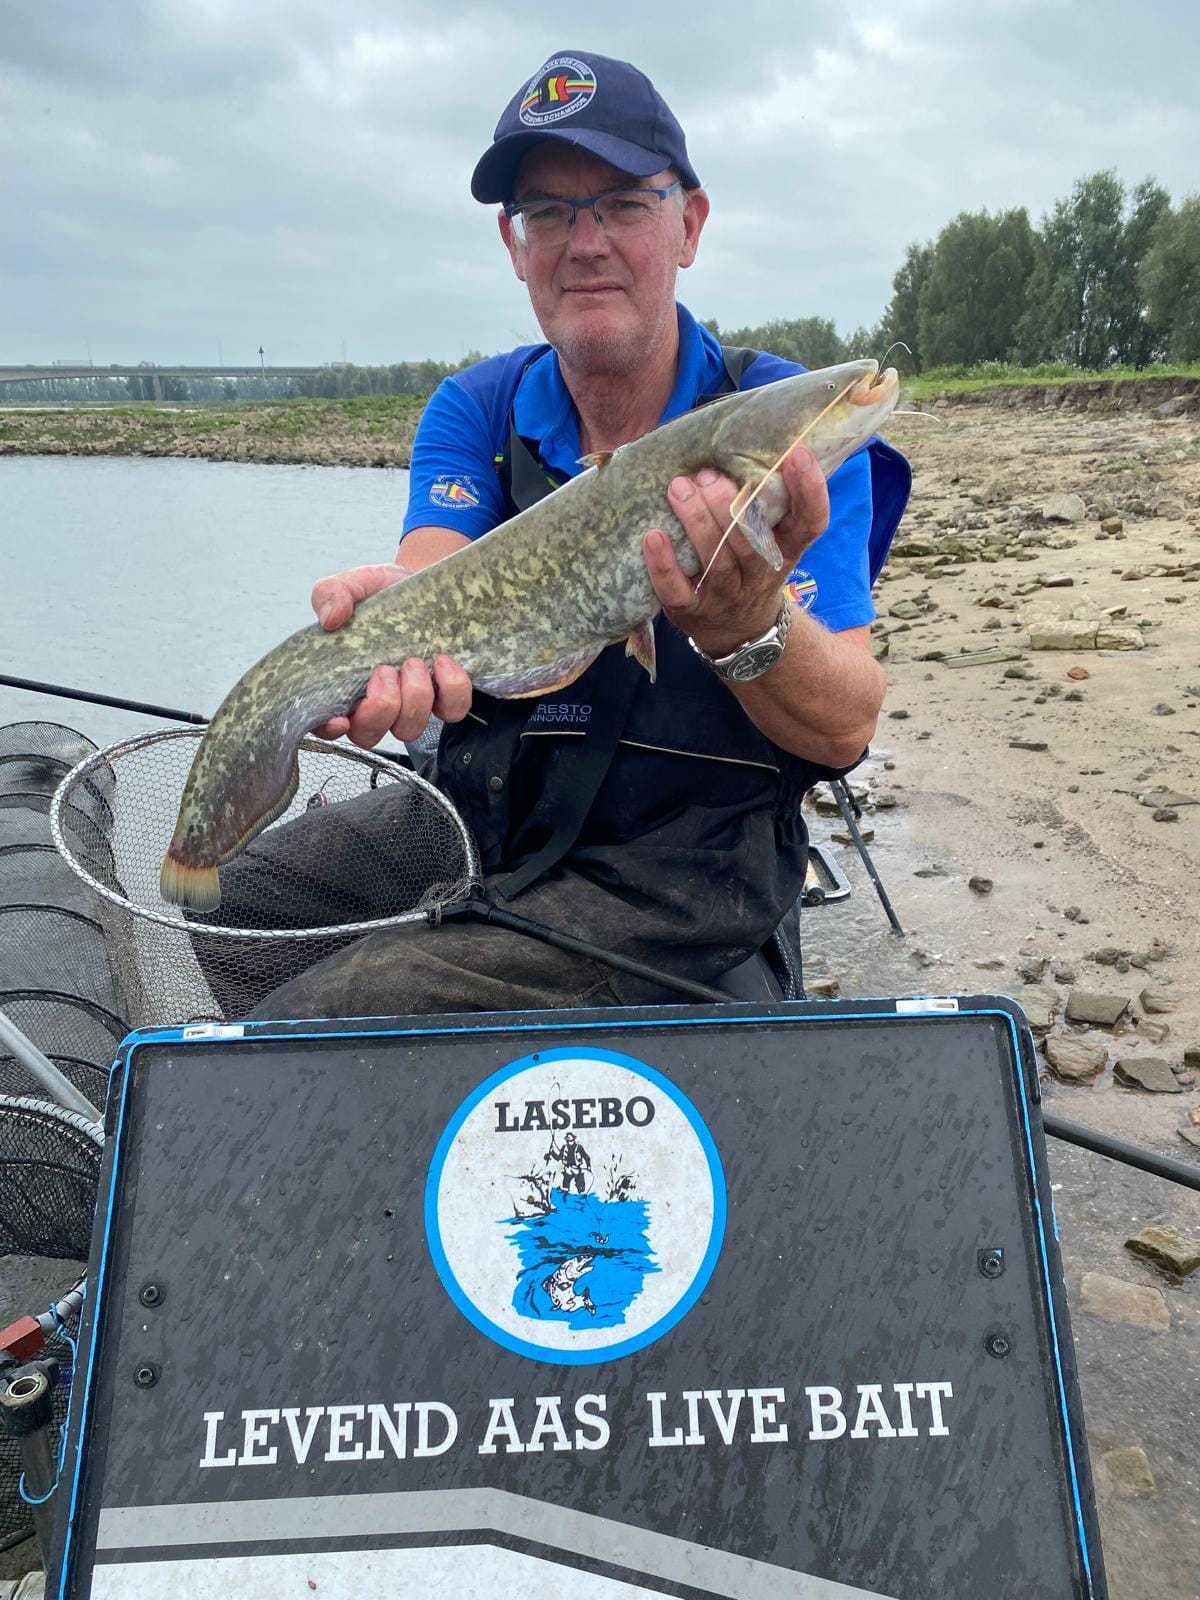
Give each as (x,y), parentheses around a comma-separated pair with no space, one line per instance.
(185,180)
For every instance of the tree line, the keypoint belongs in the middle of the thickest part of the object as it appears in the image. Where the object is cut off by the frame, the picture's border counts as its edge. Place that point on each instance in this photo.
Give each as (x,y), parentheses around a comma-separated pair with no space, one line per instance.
(1110,278)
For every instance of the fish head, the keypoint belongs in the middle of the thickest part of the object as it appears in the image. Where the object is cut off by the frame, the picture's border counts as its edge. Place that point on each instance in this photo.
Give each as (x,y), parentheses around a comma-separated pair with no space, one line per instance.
(575,1267)
(833,411)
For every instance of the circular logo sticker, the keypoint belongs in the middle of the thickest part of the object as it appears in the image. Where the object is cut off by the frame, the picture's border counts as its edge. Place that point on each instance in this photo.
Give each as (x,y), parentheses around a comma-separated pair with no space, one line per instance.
(575,1206)
(561,88)
(802,587)
(454,493)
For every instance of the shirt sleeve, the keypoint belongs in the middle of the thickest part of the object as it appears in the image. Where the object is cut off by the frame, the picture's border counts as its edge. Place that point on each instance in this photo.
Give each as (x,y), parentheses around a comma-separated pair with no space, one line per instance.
(832,578)
(452,476)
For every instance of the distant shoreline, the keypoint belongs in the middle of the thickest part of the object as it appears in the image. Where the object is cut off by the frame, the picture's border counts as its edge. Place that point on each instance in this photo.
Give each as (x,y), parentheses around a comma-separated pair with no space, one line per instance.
(377,431)
(367,432)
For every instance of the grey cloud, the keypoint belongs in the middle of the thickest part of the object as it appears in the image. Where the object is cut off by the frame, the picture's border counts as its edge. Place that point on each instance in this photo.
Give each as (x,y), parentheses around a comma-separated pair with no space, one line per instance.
(294,172)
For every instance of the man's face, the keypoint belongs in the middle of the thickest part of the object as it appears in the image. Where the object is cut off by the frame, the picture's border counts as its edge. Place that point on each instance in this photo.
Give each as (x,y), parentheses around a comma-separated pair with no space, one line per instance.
(602,303)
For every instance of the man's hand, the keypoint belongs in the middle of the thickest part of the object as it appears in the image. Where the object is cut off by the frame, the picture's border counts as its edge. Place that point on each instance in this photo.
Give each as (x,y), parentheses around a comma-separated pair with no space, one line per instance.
(400,702)
(740,597)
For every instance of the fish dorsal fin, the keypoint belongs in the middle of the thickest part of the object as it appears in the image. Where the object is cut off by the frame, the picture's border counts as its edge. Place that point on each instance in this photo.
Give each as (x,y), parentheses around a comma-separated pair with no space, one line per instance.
(597,458)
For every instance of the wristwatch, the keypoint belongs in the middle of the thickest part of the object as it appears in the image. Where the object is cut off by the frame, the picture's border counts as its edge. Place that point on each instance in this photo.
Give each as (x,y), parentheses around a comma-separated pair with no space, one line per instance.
(756,656)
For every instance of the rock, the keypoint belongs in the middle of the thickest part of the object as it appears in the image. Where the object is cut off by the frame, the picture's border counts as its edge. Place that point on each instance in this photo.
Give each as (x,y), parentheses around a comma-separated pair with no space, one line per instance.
(995,600)
(1078,673)
(1033,968)
(1063,636)
(1135,1305)
(1160,795)
(1191,1057)
(1156,1002)
(1191,1135)
(905,611)
(983,656)
(1151,1073)
(1064,508)
(1072,913)
(1028,744)
(846,837)
(1169,507)
(899,715)
(1162,709)
(1164,814)
(915,544)
(1111,525)
(1119,639)
(1152,1032)
(1102,1010)
(932,871)
(822,988)
(1168,1248)
(1040,1006)
(980,885)
(1075,1060)
(1058,580)
(1108,956)
(1130,1471)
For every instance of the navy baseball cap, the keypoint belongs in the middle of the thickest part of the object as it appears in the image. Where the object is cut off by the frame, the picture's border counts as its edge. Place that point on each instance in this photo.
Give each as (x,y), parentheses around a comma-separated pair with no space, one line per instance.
(603,106)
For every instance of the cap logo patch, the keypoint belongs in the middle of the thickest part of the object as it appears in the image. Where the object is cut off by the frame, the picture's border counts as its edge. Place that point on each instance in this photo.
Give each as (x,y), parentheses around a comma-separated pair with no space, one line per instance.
(454,492)
(561,88)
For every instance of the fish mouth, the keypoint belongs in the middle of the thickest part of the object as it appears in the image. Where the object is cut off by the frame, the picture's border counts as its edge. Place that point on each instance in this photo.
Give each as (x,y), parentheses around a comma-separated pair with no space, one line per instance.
(875,387)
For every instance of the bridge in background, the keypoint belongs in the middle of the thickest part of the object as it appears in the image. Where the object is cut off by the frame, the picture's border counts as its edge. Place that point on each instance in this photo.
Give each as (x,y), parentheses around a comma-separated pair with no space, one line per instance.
(33,374)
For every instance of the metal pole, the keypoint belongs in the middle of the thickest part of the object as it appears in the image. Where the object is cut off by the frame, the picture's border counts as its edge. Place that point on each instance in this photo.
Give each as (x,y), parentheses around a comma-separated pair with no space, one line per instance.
(840,794)
(27,1411)
(56,1084)
(1133,1155)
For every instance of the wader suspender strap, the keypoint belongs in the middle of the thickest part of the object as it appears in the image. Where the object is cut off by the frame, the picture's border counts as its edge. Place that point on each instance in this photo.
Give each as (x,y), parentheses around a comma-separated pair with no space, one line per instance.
(580,779)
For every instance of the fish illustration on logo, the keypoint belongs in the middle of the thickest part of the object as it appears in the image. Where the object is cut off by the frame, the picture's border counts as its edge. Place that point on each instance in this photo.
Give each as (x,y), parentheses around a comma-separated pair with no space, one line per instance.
(545,1232)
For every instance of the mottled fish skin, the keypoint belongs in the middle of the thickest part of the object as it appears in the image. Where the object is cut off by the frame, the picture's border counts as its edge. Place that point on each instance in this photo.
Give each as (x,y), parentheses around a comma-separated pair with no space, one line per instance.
(524,608)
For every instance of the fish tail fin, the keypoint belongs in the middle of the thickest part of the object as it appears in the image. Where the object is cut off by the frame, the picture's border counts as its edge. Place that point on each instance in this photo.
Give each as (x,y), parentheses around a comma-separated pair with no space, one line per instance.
(189,871)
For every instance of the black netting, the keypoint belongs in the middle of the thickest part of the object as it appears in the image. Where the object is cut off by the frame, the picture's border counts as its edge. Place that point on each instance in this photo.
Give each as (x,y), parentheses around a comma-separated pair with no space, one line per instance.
(64,1025)
(35,874)
(42,947)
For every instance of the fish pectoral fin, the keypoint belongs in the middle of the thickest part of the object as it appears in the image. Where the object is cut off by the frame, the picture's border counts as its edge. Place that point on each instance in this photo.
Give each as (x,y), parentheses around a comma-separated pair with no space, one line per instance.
(572,669)
(597,458)
(640,645)
(751,517)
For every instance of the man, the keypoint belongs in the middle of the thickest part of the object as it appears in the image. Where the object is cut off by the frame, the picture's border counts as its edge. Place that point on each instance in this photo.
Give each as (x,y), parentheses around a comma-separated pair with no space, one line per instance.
(688,845)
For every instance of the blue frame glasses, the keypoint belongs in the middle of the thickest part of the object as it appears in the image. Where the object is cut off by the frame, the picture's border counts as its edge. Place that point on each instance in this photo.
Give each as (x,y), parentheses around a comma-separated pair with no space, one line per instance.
(549,221)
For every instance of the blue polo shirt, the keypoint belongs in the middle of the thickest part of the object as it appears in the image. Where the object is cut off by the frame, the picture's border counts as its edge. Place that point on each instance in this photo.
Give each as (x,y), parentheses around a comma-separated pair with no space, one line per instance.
(464,431)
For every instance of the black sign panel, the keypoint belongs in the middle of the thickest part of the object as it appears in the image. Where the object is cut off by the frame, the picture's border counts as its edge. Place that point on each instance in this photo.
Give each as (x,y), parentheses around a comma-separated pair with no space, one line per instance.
(690,1301)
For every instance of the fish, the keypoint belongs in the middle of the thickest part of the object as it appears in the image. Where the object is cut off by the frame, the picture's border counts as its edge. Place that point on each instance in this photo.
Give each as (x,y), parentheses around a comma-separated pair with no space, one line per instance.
(525,609)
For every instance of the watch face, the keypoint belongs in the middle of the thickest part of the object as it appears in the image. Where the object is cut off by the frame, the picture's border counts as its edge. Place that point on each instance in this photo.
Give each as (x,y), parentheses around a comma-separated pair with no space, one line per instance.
(753,662)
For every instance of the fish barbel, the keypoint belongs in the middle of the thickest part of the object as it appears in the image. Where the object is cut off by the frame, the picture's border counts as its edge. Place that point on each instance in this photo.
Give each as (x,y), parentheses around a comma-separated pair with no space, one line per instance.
(525,609)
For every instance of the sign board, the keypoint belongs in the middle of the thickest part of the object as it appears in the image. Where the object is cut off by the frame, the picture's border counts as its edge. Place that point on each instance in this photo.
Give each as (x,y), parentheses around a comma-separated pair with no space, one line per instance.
(716,1301)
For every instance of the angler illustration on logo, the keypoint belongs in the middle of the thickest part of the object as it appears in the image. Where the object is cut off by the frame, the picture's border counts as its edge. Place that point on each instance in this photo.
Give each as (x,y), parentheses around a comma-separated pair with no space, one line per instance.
(575,1206)
(562,87)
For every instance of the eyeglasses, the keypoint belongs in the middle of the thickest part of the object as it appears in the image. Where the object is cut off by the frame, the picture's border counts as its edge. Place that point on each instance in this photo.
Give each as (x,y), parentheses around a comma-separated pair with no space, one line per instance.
(621,211)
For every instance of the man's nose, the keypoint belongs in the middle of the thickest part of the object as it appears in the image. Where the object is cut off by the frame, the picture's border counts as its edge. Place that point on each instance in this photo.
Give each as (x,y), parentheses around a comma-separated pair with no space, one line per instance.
(587,237)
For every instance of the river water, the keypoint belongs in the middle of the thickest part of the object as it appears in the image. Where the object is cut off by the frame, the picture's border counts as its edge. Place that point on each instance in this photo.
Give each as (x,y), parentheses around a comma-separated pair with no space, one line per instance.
(163,580)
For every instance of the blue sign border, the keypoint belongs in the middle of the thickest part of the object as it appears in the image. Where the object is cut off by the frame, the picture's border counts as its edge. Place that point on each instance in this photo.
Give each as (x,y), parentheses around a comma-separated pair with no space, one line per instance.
(433,1235)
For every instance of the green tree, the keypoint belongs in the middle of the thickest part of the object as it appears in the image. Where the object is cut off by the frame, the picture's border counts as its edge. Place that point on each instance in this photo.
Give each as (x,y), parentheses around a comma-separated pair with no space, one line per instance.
(1085,304)
(1169,279)
(812,341)
(899,325)
(974,295)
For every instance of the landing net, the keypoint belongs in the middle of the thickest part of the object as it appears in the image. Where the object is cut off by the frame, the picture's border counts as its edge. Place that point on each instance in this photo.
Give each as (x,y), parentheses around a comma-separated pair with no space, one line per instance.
(365,845)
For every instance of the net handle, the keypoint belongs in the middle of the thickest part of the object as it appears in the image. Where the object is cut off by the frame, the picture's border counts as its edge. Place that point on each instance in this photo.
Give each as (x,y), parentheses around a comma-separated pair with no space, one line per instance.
(112,753)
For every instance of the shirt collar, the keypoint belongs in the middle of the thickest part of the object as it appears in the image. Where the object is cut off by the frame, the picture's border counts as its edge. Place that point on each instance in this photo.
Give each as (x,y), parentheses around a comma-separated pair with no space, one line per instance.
(544,412)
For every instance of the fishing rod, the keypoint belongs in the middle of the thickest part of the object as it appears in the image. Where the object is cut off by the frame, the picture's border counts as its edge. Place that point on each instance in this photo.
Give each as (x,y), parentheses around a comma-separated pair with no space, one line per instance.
(167,713)
(1132,1155)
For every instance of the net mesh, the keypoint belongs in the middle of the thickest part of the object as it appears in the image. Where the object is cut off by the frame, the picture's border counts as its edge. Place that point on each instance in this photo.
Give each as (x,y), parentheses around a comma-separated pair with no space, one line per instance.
(49,1170)
(366,844)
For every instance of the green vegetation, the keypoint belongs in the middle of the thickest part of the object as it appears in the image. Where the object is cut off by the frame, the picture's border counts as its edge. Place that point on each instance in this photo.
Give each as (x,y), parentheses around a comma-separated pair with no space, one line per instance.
(1109,282)
(960,379)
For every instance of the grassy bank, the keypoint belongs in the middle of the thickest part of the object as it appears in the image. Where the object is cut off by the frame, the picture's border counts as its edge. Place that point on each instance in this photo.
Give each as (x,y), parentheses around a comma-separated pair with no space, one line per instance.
(371,431)
(1001,375)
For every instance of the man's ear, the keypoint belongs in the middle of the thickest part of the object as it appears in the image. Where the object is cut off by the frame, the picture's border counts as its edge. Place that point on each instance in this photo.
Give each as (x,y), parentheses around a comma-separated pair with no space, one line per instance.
(695,215)
(510,241)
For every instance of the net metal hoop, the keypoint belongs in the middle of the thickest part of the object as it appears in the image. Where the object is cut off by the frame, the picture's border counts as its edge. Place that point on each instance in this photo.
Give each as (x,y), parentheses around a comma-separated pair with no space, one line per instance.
(111,755)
